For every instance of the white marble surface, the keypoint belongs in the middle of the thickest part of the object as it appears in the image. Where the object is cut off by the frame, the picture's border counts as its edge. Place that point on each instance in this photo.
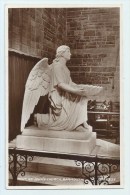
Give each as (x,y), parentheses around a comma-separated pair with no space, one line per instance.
(102,148)
(77,135)
(71,146)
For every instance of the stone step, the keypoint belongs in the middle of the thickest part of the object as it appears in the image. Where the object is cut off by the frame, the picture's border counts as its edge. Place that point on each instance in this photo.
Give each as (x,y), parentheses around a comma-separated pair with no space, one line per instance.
(51,166)
(61,167)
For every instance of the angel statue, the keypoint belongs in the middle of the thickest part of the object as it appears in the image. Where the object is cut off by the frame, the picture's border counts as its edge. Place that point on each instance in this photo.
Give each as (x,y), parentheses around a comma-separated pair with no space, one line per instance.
(68,100)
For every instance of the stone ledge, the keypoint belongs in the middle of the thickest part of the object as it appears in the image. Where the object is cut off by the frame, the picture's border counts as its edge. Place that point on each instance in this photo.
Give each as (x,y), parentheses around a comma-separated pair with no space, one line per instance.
(77,135)
(71,146)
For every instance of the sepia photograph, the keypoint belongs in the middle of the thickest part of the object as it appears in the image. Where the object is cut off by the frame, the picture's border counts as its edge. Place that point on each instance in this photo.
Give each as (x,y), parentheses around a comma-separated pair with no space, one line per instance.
(64,75)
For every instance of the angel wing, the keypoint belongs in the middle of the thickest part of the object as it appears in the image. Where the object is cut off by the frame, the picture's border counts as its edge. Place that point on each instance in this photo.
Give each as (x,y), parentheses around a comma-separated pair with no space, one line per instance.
(37,85)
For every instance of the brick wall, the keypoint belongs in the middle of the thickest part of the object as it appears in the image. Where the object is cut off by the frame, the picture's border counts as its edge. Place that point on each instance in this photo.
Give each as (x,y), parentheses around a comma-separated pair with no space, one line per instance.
(93,36)
(37,32)
(91,33)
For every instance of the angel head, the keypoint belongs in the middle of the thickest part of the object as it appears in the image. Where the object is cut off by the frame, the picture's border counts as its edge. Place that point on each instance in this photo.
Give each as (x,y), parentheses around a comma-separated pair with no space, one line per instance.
(63,51)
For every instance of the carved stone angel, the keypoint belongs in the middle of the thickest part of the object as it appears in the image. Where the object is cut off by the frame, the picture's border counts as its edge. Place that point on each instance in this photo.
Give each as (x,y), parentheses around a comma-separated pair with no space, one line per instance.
(68,101)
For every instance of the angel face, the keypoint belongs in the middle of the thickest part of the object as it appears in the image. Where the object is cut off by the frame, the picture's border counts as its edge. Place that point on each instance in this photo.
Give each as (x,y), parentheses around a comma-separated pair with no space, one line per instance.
(67,54)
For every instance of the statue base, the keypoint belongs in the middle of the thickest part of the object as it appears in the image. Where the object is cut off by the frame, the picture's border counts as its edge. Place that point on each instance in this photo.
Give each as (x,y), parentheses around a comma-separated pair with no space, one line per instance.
(73,142)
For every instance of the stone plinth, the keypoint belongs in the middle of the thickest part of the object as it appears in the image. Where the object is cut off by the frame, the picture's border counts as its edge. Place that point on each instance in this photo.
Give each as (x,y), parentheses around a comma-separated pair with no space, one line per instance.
(57,141)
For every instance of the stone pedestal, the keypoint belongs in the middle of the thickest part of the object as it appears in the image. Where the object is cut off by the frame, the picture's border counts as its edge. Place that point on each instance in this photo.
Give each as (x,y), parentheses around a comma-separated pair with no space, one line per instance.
(73,142)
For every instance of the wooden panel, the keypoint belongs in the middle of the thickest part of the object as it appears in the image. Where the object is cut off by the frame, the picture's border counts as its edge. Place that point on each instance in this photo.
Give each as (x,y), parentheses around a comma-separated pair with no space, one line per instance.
(19,68)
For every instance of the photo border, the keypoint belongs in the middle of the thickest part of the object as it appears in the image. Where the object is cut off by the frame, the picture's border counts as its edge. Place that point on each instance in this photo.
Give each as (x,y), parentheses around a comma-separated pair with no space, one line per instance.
(122,72)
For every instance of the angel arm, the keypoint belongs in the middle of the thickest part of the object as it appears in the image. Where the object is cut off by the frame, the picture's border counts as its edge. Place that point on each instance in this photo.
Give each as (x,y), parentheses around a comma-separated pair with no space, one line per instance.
(78,86)
(82,90)
(71,88)
(73,84)
(85,87)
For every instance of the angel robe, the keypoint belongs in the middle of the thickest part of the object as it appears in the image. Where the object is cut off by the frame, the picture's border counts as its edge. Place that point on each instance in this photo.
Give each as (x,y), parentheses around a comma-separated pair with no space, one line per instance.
(67,110)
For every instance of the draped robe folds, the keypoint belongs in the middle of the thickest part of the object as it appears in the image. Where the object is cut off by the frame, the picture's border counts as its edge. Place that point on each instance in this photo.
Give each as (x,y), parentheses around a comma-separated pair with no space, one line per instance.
(67,111)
